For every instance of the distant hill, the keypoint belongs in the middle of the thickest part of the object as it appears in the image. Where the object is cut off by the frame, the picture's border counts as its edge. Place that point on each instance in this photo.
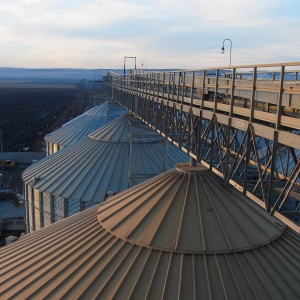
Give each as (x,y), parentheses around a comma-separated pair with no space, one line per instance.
(51,75)
(58,75)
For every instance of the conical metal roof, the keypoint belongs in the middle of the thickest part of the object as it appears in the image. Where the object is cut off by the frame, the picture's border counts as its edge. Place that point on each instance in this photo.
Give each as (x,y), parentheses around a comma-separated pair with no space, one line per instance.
(86,123)
(119,131)
(188,210)
(87,170)
(181,235)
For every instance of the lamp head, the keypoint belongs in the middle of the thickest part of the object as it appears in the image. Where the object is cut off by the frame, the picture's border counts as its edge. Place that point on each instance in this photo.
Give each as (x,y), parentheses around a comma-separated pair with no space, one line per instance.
(223,50)
(142,64)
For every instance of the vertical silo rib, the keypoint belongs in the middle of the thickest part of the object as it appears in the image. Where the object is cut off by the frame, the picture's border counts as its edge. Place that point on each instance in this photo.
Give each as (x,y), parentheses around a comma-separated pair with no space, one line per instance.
(258,275)
(268,271)
(118,177)
(157,185)
(288,255)
(137,192)
(199,212)
(194,277)
(180,276)
(221,277)
(153,275)
(234,277)
(246,209)
(207,277)
(246,276)
(49,266)
(290,246)
(72,279)
(71,275)
(139,275)
(167,276)
(106,167)
(62,179)
(86,250)
(217,216)
(124,274)
(183,212)
(88,288)
(278,254)
(27,256)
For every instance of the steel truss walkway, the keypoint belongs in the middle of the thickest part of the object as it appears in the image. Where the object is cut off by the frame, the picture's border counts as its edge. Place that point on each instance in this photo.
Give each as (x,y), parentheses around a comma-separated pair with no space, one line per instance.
(243,123)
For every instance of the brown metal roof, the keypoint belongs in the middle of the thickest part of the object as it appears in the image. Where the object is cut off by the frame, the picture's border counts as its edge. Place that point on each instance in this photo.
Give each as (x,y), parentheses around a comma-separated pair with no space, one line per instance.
(188,210)
(181,235)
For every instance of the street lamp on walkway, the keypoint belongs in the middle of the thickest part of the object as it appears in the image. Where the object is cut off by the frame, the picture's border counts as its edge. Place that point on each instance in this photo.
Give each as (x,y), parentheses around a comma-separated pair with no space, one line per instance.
(223,49)
(143,63)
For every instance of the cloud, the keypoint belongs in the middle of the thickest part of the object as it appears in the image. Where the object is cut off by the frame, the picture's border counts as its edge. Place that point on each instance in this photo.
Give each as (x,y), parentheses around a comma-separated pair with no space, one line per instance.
(166,33)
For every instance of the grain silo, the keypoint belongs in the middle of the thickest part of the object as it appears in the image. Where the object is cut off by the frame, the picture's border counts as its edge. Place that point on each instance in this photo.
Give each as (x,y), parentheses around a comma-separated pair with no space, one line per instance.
(80,127)
(119,155)
(184,234)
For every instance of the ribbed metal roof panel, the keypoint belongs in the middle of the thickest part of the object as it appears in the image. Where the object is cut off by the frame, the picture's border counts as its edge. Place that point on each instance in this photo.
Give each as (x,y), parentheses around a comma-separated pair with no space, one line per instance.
(83,125)
(88,169)
(77,258)
(119,131)
(188,211)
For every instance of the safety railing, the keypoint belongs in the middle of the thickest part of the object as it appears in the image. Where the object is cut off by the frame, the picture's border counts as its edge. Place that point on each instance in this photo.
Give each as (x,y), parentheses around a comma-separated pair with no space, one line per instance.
(242,122)
(268,93)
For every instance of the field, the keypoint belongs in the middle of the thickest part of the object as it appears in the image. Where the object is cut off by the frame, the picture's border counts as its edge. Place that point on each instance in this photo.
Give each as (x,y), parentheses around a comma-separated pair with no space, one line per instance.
(8,84)
(26,115)
(32,104)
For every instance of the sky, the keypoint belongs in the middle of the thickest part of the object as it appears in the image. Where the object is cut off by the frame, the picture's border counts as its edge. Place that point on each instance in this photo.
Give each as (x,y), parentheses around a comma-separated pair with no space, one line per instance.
(185,34)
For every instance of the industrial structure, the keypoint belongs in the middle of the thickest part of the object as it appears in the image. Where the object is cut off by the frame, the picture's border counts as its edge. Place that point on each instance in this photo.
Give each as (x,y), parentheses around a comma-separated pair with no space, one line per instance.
(80,127)
(119,155)
(223,226)
(243,123)
(185,234)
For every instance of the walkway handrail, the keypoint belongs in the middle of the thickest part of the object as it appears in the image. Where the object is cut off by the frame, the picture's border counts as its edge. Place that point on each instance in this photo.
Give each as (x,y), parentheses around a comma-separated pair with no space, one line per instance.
(223,119)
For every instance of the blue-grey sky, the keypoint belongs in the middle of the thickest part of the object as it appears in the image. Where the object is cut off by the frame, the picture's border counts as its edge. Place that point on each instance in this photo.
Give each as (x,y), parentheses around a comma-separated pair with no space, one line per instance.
(166,33)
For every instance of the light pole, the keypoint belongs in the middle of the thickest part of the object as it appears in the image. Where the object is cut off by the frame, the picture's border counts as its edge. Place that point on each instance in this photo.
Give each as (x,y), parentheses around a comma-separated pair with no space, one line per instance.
(143,63)
(223,49)
(95,88)
(130,57)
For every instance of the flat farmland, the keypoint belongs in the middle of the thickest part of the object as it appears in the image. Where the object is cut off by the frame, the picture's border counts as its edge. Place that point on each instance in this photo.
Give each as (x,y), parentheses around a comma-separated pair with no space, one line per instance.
(27,114)
(8,84)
